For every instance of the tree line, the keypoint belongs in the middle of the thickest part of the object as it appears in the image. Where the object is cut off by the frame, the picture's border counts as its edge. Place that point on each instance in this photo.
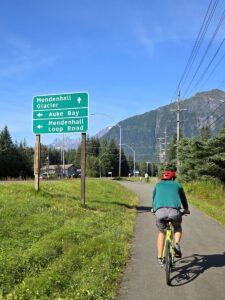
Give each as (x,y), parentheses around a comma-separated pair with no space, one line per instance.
(201,157)
(16,159)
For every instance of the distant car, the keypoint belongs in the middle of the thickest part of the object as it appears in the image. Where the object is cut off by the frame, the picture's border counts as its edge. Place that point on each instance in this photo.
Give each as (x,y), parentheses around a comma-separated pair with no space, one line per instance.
(76,174)
(44,176)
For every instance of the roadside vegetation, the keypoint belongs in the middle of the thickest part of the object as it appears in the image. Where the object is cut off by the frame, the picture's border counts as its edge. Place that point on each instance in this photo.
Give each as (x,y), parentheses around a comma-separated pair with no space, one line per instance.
(209,197)
(16,159)
(53,248)
(151,180)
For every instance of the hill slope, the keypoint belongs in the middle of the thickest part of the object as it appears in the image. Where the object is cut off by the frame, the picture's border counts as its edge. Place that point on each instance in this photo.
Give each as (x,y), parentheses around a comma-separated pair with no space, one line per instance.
(142,132)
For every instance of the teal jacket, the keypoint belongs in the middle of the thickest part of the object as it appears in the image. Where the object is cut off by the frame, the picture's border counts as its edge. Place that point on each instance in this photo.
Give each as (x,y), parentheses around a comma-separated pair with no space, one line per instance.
(168,193)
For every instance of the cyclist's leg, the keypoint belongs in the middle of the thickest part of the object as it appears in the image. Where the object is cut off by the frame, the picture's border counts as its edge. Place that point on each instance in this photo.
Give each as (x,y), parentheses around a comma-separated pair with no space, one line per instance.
(160,243)
(176,222)
(177,235)
(176,219)
(161,224)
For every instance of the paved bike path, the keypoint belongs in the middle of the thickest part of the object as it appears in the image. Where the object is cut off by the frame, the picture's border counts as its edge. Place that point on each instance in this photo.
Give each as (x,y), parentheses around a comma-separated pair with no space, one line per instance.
(200,274)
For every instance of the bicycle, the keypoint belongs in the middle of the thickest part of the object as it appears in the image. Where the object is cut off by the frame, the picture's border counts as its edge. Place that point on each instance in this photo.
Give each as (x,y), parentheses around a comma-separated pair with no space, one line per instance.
(168,250)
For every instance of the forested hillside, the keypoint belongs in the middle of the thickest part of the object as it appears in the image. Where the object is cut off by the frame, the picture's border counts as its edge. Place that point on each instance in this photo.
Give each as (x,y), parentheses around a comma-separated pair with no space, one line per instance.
(142,132)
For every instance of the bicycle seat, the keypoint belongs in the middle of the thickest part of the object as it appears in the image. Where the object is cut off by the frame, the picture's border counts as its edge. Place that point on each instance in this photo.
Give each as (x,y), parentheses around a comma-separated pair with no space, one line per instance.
(168,219)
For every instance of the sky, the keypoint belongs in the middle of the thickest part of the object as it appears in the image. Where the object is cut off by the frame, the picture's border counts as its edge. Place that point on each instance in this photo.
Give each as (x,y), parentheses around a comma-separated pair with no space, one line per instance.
(128,55)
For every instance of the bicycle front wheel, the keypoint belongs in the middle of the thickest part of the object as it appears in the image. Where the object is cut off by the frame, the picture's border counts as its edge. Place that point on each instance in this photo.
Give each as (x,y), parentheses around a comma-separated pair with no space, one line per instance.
(168,262)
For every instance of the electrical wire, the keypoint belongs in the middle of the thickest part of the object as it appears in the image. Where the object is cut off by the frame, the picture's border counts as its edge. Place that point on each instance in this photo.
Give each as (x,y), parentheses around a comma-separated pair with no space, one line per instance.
(214,111)
(198,42)
(200,37)
(221,83)
(208,66)
(206,51)
(207,79)
(210,125)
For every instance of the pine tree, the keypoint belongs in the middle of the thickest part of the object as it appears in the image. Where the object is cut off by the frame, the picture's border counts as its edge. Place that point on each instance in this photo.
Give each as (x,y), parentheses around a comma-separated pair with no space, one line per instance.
(8,155)
(205,133)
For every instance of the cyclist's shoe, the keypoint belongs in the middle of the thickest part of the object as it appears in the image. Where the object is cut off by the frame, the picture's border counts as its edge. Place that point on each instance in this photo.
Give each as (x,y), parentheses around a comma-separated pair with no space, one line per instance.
(177,250)
(160,261)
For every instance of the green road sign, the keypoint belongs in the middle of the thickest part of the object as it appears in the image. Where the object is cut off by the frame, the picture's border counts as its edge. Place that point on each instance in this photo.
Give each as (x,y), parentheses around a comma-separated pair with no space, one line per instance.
(63,113)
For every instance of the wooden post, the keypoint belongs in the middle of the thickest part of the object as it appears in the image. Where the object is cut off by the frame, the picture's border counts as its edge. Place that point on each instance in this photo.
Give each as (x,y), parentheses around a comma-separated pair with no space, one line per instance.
(37,163)
(83,167)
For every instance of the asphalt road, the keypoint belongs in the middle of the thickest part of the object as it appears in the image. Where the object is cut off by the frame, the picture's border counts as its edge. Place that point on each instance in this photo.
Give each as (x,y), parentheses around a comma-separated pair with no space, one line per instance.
(199,274)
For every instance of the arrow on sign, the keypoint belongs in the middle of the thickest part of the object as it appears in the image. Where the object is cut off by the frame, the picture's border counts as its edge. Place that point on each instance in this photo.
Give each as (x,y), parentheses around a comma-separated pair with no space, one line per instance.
(79,100)
(39,126)
(39,115)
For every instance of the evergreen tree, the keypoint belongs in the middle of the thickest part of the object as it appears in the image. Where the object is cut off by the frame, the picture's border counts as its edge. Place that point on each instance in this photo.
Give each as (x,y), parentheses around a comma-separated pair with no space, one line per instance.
(70,156)
(77,160)
(8,155)
(54,156)
(92,166)
(172,150)
(26,158)
(205,133)
(193,157)
(216,159)
(130,162)
(93,146)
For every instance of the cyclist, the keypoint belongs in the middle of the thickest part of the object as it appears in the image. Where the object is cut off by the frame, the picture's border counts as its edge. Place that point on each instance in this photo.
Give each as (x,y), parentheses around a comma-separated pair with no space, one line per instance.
(168,195)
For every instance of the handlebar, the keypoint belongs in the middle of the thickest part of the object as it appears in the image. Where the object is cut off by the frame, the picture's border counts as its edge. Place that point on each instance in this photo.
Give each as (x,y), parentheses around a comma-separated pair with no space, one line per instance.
(183,212)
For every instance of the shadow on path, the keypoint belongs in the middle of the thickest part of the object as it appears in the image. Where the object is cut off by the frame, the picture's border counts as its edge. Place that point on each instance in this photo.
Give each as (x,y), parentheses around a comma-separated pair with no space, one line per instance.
(189,268)
(143,209)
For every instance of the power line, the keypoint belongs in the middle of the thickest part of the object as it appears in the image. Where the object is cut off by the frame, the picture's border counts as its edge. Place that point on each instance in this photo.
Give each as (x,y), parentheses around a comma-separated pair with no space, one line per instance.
(222,82)
(214,111)
(216,66)
(205,24)
(208,66)
(216,120)
(206,51)
(198,42)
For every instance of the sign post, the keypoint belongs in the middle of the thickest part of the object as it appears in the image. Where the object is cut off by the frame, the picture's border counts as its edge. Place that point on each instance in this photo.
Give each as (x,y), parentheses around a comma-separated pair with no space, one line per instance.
(37,163)
(83,167)
(61,113)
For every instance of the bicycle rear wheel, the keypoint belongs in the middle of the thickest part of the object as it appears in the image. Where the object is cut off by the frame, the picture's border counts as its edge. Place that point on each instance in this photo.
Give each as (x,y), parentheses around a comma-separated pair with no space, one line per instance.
(168,262)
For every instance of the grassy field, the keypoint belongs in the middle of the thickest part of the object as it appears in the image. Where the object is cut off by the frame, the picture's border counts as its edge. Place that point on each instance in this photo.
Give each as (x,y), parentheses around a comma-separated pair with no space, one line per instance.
(208,197)
(53,248)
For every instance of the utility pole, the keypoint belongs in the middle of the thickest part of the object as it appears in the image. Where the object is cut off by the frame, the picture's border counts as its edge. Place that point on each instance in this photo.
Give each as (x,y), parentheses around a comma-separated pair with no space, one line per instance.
(160,150)
(178,124)
(165,144)
(120,151)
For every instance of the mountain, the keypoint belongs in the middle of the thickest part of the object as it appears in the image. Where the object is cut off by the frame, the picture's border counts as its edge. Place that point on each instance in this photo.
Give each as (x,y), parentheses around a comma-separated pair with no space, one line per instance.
(68,142)
(143,132)
(103,132)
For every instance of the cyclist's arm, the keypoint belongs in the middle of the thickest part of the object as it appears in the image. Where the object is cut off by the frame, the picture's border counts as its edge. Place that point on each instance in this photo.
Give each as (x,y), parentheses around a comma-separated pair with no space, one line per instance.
(183,199)
(153,198)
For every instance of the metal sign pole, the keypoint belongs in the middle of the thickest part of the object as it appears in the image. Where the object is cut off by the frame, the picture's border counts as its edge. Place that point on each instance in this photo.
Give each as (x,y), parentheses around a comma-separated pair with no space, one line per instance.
(37,163)
(83,167)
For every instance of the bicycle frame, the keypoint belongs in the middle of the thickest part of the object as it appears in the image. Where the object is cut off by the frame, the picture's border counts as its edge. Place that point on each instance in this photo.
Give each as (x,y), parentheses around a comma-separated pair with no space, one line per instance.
(169,237)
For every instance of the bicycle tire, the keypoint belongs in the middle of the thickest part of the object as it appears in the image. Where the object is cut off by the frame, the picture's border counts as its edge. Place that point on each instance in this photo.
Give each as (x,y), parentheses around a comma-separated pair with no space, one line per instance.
(167,262)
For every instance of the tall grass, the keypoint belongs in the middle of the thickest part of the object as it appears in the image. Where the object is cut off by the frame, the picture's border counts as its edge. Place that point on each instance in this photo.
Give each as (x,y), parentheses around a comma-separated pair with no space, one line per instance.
(53,248)
(209,197)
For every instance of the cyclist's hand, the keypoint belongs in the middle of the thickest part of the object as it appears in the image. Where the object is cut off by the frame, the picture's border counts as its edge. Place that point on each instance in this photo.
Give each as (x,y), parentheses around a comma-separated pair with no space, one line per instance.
(186,212)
